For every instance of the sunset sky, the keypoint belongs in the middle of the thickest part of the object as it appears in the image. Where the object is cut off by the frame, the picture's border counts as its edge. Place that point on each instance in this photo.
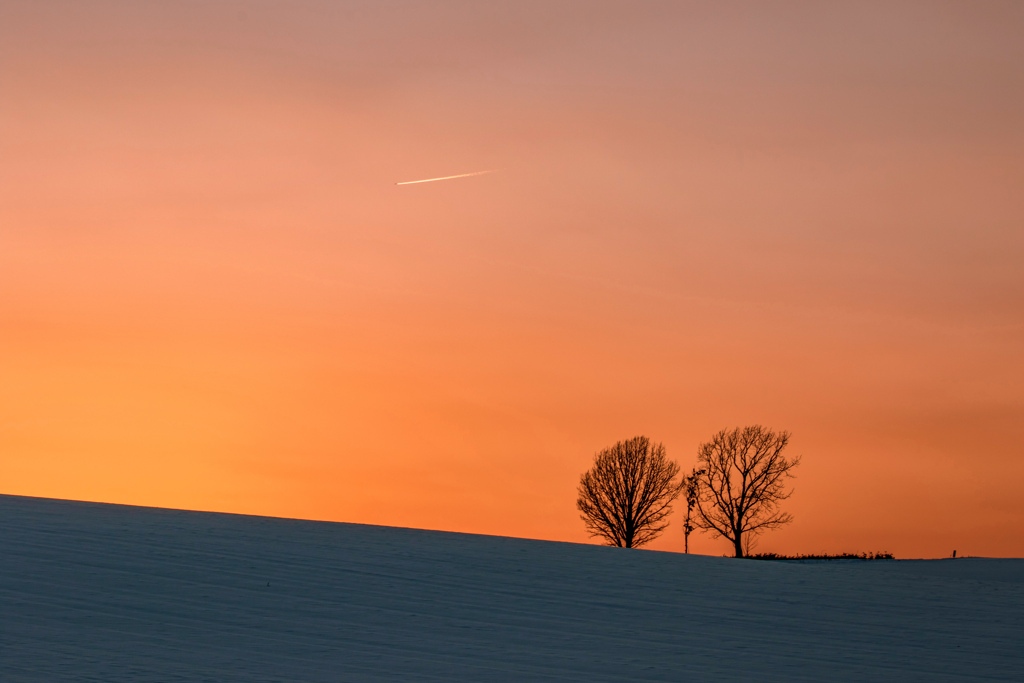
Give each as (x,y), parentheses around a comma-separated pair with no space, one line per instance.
(213,294)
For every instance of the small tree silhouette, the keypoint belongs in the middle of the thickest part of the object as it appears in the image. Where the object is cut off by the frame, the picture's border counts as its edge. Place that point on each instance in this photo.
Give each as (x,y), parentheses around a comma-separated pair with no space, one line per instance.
(742,483)
(692,489)
(627,494)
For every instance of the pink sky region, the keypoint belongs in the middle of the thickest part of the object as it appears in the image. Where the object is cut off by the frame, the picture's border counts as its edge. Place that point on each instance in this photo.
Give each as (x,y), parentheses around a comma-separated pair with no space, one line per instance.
(213,294)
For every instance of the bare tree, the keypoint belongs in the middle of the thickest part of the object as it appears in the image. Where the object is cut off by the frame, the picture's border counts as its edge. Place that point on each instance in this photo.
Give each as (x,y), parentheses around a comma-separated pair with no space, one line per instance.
(627,495)
(692,488)
(742,484)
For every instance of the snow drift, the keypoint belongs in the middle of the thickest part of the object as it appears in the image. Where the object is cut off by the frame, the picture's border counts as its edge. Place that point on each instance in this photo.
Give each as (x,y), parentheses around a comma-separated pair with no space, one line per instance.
(117,593)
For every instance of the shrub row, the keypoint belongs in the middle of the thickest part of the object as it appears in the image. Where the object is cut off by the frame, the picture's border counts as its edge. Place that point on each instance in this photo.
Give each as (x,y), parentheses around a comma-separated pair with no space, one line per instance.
(840,556)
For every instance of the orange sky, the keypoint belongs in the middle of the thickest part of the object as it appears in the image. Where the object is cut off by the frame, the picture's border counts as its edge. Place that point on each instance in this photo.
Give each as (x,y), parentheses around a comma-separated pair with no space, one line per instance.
(213,296)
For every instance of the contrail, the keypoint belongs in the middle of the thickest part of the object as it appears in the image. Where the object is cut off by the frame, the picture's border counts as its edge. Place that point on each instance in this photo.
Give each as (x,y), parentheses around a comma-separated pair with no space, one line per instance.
(447,177)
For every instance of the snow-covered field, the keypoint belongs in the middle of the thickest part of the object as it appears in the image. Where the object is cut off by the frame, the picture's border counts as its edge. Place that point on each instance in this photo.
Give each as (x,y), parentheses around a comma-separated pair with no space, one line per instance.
(92,592)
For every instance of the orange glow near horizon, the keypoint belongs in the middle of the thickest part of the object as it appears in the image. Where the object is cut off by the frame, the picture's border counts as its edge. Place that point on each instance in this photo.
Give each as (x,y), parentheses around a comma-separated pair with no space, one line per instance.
(213,295)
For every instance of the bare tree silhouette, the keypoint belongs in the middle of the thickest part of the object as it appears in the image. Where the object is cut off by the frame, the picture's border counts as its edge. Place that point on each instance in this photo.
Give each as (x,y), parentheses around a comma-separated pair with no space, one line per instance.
(627,495)
(742,484)
(692,488)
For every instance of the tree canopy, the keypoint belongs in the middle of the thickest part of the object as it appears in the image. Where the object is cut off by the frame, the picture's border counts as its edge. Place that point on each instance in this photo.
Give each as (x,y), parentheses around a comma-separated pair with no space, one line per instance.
(627,495)
(742,483)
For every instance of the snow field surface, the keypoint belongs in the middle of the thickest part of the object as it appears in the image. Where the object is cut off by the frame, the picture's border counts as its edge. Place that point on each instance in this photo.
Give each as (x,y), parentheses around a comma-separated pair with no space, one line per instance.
(94,592)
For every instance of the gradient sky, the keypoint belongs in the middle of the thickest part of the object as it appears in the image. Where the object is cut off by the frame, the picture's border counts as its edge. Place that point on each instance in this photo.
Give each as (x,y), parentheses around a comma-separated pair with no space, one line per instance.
(214,296)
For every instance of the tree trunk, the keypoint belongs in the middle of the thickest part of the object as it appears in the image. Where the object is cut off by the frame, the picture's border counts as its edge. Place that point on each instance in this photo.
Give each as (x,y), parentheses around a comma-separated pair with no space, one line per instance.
(738,544)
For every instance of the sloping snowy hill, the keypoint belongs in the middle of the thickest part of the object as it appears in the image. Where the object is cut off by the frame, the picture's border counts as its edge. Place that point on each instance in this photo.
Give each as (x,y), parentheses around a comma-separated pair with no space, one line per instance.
(114,593)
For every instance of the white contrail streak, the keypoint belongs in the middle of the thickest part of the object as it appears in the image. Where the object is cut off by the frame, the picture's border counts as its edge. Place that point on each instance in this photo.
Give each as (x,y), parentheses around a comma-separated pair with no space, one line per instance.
(447,177)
